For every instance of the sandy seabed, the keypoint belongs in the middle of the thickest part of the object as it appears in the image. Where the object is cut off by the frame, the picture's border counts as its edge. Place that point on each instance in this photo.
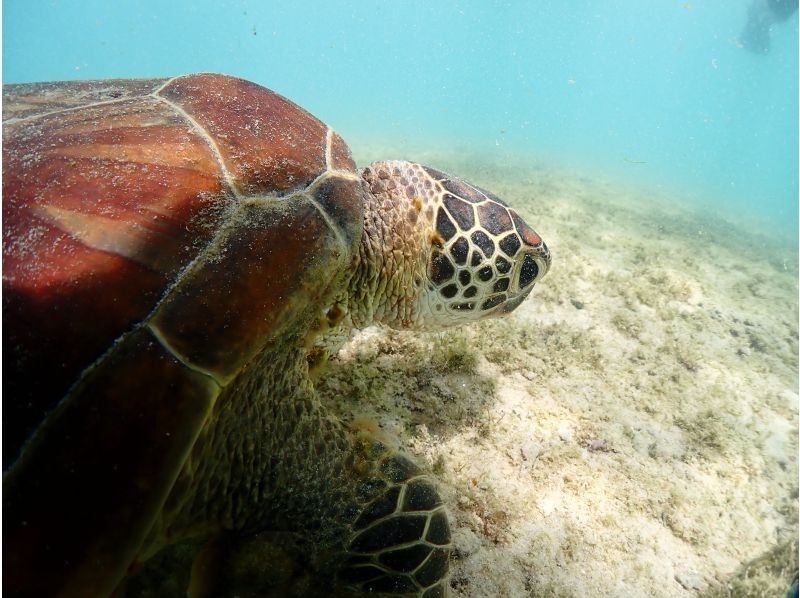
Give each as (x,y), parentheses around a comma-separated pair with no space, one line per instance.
(632,429)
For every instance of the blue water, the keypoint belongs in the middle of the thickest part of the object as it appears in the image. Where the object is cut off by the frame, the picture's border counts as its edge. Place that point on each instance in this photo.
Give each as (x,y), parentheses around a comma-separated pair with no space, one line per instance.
(654,92)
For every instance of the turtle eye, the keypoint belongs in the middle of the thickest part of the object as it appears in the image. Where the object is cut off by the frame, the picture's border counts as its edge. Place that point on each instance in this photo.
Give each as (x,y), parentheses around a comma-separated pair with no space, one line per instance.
(531,266)
(528,271)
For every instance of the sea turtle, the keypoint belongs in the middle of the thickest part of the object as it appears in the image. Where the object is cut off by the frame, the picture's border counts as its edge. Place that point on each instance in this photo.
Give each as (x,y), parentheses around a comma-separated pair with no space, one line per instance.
(177,254)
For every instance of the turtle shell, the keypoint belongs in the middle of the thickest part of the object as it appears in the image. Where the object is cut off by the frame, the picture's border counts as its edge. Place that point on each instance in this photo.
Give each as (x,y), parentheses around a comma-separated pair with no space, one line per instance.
(157,234)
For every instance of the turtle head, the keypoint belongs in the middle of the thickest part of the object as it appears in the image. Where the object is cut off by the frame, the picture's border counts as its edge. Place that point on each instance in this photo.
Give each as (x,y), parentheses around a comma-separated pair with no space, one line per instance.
(467,255)
(484,258)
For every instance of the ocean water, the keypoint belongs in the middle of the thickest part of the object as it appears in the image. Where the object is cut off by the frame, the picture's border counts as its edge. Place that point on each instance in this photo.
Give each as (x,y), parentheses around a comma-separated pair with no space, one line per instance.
(658,93)
(631,430)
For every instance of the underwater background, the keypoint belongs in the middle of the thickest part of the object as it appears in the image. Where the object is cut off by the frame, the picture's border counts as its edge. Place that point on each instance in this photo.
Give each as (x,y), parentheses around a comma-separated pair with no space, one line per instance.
(631,430)
(669,95)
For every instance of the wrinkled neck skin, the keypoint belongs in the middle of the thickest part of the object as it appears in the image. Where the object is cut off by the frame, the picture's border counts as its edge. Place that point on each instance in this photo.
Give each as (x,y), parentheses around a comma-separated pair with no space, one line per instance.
(389,272)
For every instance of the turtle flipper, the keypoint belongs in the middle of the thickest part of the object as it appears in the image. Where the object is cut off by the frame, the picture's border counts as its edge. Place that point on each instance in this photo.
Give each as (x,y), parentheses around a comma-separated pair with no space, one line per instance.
(369,520)
(400,541)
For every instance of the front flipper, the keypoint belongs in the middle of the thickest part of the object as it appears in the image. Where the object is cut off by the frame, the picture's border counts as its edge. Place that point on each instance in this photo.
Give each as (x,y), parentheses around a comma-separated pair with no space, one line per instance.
(397,543)
(400,541)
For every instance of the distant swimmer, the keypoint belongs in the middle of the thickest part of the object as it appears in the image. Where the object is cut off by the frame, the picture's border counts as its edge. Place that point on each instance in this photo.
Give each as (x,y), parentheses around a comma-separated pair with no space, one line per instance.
(761,16)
